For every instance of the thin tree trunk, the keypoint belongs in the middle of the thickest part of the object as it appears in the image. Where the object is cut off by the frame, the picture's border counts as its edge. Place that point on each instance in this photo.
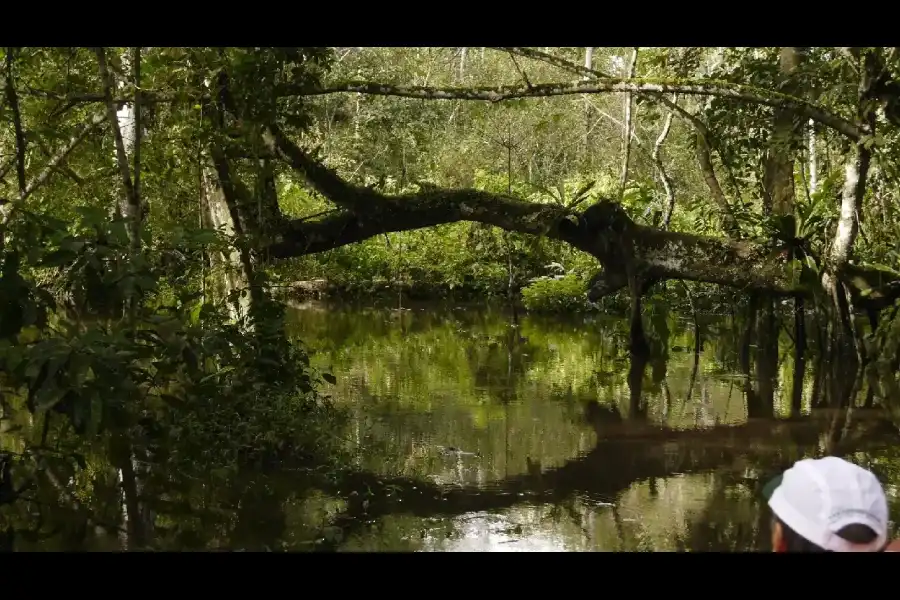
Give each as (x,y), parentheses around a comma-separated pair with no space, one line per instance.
(588,64)
(704,159)
(856,169)
(138,109)
(126,123)
(887,209)
(799,358)
(122,121)
(627,129)
(779,171)
(813,160)
(661,169)
(12,99)
(462,63)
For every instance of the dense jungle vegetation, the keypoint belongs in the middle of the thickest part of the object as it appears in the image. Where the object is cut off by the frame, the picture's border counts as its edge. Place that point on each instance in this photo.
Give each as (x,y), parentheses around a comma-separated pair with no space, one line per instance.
(161,207)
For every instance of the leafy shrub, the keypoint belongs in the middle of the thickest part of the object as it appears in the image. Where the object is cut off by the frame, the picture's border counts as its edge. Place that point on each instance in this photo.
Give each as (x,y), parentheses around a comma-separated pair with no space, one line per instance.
(567,293)
(171,370)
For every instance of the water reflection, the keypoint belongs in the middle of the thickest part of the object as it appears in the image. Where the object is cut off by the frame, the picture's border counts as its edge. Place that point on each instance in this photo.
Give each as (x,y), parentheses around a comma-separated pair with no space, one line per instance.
(582,447)
(472,432)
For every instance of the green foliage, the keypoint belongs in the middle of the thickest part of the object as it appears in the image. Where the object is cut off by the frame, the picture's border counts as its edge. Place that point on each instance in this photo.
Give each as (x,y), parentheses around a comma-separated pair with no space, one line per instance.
(119,358)
(462,260)
(567,293)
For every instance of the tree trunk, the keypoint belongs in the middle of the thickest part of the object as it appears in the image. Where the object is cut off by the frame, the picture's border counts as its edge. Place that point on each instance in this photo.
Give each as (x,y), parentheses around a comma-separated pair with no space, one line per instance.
(666,181)
(131,464)
(779,173)
(235,269)
(462,63)
(627,127)
(704,159)
(856,170)
(813,159)
(586,143)
(124,134)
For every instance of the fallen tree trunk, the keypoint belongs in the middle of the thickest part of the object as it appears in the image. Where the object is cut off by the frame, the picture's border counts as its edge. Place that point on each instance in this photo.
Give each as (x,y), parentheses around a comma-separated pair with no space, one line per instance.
(604,230)
(630,254)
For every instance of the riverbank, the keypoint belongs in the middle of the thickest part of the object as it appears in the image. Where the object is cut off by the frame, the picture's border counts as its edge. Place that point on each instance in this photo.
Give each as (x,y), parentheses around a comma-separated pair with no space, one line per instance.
(551,296)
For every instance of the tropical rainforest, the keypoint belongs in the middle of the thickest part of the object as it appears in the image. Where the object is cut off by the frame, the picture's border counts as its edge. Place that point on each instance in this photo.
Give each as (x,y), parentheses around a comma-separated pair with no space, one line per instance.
(165,212)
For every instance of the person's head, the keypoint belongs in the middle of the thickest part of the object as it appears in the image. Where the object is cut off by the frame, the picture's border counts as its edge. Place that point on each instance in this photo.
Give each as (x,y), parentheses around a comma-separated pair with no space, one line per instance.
(827,505)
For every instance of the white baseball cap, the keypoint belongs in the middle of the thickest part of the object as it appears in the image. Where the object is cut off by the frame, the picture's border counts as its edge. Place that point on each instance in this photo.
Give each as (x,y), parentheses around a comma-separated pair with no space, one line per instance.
(818,497)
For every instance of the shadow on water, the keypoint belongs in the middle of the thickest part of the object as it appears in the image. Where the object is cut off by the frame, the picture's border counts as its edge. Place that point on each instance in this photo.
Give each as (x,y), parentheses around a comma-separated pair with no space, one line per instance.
(474,431)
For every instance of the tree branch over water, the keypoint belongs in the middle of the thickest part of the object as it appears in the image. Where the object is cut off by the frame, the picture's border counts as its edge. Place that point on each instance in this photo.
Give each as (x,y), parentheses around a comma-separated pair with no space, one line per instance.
(604,230)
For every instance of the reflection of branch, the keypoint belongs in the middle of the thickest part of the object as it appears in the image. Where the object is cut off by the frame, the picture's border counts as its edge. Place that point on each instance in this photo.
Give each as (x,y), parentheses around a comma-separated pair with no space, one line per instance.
(623,455)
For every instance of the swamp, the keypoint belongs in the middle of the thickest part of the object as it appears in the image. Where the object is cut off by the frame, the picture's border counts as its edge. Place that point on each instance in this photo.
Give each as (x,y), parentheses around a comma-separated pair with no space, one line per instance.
(440,299)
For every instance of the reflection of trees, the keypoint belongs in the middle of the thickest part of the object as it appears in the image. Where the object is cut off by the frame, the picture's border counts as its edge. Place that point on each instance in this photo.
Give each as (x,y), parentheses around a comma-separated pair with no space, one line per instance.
(483,364)
(623,455)
(732,521)
(629,446)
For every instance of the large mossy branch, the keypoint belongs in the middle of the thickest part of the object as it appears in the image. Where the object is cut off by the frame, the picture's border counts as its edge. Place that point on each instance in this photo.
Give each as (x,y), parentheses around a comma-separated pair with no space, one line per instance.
(594,86)
(415,211)
(602,233)
(604,230)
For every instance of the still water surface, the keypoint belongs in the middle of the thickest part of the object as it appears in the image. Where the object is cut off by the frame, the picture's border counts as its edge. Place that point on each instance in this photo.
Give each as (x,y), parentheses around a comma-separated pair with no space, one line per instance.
(471,432)
(543,436)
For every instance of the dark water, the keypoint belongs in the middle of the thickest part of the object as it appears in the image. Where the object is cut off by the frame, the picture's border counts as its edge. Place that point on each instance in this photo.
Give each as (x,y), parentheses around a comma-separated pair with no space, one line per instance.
(566,444)
(572,446)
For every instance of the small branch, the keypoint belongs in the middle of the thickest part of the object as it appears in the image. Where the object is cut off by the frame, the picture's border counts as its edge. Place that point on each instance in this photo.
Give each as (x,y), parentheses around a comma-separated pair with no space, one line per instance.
(7,210)
(704,159)
(68,172)
(320,177)
(661,169)
(596,86)
(74,503)
(521,72)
